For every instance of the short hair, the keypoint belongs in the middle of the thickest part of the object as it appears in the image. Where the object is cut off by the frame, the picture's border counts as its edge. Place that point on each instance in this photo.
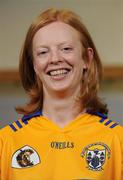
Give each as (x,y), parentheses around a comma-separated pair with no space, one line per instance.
(92,75)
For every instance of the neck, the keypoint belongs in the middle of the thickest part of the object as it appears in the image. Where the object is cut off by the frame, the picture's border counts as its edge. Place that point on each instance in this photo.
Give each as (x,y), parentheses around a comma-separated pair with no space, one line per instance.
(61,108)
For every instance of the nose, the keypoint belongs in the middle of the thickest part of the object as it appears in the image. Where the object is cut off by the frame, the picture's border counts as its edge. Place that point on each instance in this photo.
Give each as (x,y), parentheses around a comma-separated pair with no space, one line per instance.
(55,56)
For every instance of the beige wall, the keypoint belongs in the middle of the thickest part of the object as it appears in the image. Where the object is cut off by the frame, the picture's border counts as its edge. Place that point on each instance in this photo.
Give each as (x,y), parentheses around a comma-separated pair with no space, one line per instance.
(104,19)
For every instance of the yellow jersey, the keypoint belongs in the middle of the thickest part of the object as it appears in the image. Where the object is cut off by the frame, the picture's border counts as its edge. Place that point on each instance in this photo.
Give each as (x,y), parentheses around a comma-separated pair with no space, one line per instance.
(90,147)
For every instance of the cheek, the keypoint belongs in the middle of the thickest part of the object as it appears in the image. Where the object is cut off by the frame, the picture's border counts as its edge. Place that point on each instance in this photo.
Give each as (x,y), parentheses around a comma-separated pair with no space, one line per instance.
(72,59)
(78,61)
(76,58)
(40,64)
(38,67)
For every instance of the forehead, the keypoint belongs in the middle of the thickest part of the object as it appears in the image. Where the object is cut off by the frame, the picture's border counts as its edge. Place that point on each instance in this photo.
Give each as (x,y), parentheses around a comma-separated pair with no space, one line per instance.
(56,31)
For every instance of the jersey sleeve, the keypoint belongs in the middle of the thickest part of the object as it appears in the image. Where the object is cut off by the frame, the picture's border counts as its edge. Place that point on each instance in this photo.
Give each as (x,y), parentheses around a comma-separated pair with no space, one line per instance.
(0,155)
(3,155)
(119,132)
(122,154)
(121,136)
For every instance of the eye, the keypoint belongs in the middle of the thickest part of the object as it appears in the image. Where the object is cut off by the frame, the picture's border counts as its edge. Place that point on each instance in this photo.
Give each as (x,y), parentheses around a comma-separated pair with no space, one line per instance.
(42,51)
(67,49)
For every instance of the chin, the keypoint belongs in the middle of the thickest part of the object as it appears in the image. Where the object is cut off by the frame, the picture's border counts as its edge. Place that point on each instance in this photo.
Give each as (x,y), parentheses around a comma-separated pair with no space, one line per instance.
(60,89)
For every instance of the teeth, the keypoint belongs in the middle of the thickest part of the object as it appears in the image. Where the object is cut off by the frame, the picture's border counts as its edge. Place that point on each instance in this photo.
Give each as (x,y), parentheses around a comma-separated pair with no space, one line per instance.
(58,72)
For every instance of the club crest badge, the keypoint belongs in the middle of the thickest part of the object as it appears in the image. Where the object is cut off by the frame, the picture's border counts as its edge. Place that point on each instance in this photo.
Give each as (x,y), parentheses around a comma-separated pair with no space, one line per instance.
(25,157)
(96,155)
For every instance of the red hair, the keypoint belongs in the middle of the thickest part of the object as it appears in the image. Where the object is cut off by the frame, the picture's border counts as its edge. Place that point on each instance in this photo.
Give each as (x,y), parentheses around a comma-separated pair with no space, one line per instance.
(92,76)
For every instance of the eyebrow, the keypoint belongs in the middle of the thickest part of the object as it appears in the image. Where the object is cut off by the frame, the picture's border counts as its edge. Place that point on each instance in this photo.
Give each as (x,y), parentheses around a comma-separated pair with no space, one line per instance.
(59,44)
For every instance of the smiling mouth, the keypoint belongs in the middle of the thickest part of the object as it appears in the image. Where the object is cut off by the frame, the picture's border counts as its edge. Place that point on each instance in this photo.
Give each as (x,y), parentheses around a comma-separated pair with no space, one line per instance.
(58,72)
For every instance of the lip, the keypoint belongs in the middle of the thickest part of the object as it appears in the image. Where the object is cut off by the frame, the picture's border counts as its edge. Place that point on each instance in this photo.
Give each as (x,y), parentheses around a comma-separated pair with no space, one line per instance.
(55,69)
(60,77)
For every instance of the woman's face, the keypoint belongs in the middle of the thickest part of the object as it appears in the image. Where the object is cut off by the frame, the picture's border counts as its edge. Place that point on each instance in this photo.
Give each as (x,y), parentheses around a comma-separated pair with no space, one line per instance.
(58,61)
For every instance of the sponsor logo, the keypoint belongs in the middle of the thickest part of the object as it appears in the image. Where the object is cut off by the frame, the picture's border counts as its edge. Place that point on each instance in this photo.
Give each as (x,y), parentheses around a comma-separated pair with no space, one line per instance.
(96,155)
(61,145)
(25,157)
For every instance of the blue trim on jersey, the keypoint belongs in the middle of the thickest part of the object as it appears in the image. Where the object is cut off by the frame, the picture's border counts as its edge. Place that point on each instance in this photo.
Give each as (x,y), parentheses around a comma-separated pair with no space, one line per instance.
(101,115)
(12,127)
(102,120)
(108,122)
(35,114)
(25,122)
(18,124)
(104,117)
(114,125)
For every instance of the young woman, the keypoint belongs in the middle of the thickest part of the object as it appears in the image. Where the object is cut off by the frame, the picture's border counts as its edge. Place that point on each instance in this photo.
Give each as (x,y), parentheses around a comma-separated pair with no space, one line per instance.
(65,133)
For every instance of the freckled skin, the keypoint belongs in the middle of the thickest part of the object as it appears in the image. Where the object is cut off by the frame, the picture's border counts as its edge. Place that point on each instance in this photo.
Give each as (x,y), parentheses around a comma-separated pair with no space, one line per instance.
(56,46)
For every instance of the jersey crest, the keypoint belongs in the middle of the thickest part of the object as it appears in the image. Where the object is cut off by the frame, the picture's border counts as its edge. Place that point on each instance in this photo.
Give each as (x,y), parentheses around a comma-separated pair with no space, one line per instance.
(25,157)
(96,155)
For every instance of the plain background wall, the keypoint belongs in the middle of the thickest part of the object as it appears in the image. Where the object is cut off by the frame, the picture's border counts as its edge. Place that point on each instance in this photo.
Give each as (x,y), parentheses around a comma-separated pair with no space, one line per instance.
(103,18)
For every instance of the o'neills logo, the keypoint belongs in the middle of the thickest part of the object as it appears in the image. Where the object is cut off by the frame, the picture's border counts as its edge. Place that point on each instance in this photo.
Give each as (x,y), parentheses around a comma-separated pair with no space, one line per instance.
(61,145)
(25,157)
(96,155)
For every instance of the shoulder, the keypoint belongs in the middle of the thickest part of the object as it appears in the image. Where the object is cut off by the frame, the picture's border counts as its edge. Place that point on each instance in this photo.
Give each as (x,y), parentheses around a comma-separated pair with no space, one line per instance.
(18,125)
(10,129)
(110,126)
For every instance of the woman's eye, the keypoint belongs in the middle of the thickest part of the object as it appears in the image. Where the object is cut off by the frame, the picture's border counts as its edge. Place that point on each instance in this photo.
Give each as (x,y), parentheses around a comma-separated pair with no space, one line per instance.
(43,52)
(67,49)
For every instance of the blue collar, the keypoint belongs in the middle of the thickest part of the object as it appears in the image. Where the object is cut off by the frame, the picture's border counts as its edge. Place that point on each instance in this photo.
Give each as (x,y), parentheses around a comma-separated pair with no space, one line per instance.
(29,116)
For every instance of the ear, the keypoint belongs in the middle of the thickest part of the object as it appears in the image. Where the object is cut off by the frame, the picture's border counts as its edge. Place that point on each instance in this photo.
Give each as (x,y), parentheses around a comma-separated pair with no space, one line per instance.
(90,55)
(34,66)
